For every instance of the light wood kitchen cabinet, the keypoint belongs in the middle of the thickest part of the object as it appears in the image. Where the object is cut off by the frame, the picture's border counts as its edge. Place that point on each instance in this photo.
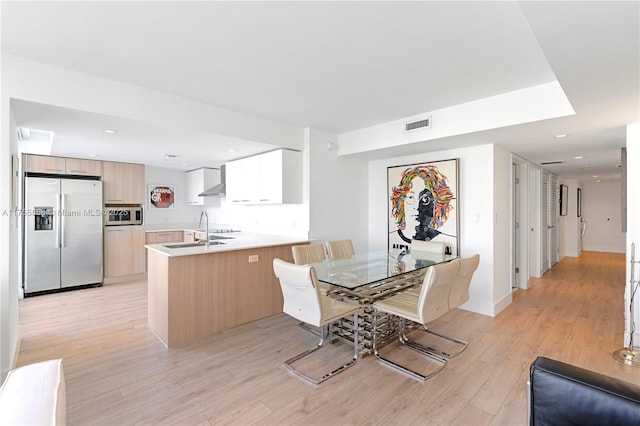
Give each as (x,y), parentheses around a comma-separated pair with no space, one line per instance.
(45,164)
(124,252)
(190,297)
(197,181)
(159,237)
(62,165)
(79,166)
(123,182)
(271,178)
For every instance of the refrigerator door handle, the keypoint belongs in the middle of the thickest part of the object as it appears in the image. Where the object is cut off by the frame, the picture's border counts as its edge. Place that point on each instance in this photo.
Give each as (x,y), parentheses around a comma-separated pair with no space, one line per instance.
(56,220)
(62,221)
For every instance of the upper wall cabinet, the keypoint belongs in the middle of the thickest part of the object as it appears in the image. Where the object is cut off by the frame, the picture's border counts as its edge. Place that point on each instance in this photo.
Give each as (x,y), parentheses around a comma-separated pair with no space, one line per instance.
(78,166)
(271,178)
(123,183)
(197,181)
(61,165)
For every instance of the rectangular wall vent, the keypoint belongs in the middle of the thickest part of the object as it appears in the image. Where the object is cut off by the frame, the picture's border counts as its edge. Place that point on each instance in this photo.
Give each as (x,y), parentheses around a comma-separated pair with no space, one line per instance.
(418,124)
(550,162)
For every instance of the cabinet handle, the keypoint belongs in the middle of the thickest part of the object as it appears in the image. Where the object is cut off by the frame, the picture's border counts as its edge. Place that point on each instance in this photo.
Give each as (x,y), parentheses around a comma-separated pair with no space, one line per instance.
(113,230)
(114,200)
(79,171)
(54,170)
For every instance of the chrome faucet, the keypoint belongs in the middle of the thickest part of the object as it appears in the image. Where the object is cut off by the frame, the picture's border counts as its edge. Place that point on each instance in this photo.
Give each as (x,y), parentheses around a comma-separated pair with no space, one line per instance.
(206,224)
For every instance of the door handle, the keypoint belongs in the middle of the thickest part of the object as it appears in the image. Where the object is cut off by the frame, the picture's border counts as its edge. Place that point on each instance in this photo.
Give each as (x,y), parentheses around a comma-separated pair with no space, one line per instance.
(63,222)
(57,219)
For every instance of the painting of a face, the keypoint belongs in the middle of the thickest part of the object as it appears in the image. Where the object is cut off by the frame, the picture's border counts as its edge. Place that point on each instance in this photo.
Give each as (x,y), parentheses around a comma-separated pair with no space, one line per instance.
(412,205)
(425,215)
(423,203)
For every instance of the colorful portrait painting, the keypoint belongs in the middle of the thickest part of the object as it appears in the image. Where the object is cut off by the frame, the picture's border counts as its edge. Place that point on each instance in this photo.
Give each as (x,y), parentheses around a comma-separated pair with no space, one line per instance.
(423,204)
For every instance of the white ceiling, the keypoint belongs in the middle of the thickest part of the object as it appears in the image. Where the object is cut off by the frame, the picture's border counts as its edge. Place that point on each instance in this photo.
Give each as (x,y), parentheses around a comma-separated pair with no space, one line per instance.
(339,66)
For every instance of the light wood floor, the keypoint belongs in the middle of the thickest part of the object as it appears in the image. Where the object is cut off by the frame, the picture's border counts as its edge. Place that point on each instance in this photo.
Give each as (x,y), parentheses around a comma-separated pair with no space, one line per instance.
(118,372)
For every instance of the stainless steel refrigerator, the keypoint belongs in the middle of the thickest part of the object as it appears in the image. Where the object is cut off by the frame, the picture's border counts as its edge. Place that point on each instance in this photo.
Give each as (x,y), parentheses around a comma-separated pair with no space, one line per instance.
(63,233)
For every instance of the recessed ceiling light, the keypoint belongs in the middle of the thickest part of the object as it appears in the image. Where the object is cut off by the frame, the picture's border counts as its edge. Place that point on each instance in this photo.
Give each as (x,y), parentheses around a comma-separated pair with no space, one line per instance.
(579,157)
(231,150)
(170,156)
(595,176)
(561,136)
(110,131)
(91,155)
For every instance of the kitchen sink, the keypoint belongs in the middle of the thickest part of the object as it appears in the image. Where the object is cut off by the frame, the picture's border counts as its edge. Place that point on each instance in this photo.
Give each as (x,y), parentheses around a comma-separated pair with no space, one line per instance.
(194,244)
(219,237)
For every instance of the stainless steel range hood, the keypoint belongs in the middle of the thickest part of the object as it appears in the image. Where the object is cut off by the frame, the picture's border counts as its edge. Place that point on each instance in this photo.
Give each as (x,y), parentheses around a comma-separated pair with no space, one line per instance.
(218,189)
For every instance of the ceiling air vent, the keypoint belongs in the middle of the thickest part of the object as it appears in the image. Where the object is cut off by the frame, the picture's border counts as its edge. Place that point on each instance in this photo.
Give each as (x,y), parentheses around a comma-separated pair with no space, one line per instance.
(546,163)
(422,124)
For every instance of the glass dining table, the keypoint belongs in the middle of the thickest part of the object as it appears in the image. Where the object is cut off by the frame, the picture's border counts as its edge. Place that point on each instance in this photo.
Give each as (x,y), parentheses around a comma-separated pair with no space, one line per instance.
(376,274)
(366,277)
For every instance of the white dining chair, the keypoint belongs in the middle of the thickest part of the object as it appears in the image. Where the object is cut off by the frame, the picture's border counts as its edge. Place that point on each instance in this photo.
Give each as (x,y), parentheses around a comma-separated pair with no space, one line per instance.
(303,301)
(305,254)
(458,295)
(308,253)
(339,249)
(431,303)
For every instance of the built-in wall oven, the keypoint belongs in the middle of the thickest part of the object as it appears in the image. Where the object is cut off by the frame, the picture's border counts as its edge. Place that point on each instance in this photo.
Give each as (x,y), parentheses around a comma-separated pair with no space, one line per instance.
(122,215)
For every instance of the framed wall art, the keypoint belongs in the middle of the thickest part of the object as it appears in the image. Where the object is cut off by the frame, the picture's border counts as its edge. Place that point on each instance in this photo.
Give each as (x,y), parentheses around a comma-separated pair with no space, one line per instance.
(579,201)
(564,199)
(423,204)
(161,196)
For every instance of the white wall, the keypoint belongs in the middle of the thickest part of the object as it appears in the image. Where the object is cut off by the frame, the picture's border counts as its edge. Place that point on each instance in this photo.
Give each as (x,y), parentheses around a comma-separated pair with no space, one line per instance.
(338,188)
(502,204)
(570,224)
(490,288)
(181,213)
(602,210)
(9,277)
(285,219)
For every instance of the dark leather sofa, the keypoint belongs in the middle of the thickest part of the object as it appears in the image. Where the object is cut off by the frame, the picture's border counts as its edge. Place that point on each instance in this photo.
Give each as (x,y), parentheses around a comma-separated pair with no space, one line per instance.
(563,394)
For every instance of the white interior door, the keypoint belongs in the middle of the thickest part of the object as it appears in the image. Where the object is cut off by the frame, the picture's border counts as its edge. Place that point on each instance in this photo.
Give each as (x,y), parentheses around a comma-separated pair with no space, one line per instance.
(535,222)
(515,280)
(546,225)
(554,219)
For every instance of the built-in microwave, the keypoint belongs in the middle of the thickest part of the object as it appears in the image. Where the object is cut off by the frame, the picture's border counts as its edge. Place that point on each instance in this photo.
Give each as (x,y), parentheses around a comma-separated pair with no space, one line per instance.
(122,215)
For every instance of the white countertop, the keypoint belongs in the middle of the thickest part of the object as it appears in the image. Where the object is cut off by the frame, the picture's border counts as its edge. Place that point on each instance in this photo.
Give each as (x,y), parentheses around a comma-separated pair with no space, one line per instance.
(240,241)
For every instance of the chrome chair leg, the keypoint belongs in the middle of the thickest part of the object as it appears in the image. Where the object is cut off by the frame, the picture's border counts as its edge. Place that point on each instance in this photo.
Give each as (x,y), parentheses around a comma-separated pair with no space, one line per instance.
(404,369)
(428,349)
(325,334)
(461,342)
(425,350)
(307,327)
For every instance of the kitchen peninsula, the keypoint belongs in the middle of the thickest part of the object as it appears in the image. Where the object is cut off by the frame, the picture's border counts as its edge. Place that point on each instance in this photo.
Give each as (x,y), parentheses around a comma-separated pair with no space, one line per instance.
(195,290)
